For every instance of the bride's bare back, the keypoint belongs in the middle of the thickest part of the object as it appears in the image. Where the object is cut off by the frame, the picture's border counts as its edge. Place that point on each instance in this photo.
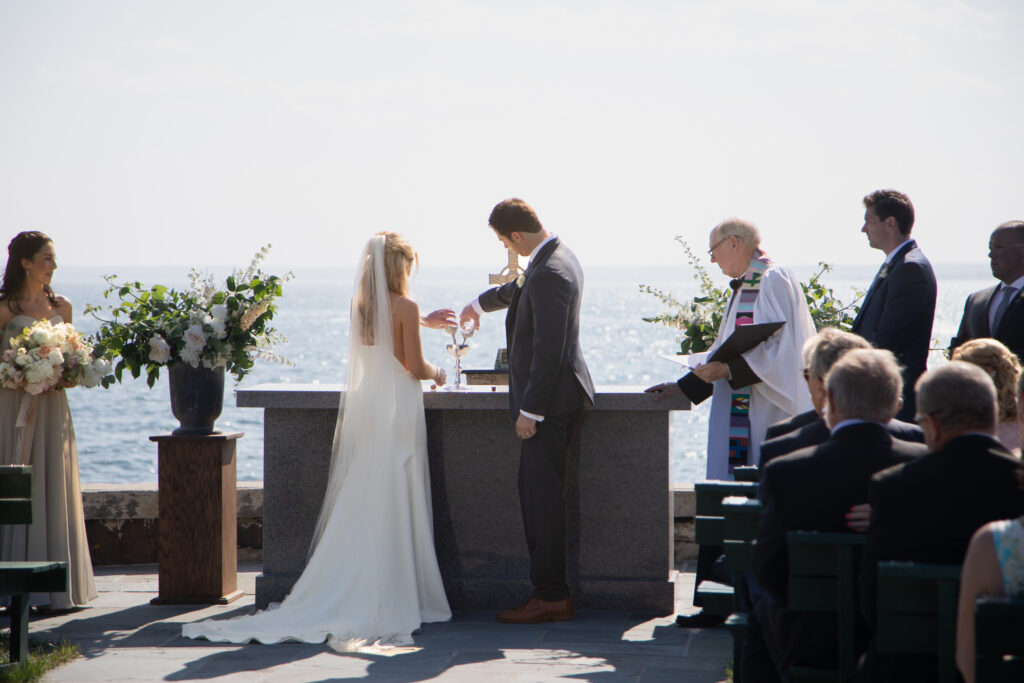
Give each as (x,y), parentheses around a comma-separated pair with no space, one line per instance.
(405,327)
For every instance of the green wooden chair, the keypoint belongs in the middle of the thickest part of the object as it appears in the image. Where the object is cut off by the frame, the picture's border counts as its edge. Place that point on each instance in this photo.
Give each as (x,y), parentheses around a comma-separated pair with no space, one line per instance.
(709,529)
(917,605)
(19,579)
(999,640)
(823,571)
(741,517)
(747,473)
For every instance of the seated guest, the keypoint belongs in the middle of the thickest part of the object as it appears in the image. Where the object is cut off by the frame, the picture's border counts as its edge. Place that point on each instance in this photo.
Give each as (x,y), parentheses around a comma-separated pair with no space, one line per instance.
(796,422)
(820,352)
(998,311)
(811,490)
(813,415)
(1003,367)
(928,509)
(994,566)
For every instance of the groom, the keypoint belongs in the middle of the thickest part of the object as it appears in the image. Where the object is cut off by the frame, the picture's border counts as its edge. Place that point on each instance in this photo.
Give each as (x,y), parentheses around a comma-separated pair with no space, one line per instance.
(548,382)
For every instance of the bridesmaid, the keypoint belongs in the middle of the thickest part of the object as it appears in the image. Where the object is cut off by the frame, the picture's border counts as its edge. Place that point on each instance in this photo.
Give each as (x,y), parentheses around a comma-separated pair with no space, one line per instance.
(47,438)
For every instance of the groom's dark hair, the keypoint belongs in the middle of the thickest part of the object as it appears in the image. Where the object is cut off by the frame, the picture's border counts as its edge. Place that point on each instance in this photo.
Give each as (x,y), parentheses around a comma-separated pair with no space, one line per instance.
(514,215)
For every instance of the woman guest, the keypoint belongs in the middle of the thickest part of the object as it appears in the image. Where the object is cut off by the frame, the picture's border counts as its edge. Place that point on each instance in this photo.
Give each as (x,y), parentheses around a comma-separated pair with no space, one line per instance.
(1002,366)
(37,431)
(994,565)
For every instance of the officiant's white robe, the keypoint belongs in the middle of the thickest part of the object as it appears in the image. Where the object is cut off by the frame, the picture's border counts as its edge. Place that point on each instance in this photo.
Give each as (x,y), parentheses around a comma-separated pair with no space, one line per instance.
(782,391)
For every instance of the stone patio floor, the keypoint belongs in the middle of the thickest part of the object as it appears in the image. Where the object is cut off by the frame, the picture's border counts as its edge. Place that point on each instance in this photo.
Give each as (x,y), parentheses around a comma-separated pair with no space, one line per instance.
(124,638)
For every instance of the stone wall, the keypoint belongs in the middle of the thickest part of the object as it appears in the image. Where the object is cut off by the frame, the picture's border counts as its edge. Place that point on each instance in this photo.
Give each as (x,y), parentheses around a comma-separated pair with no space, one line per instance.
(121,522)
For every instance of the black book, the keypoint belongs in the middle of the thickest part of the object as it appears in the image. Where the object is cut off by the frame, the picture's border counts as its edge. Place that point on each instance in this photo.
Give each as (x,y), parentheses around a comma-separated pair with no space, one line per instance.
(739,342)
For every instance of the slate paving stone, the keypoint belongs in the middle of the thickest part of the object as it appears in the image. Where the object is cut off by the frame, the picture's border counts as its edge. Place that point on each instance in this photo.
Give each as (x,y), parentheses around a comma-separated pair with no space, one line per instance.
(124,638)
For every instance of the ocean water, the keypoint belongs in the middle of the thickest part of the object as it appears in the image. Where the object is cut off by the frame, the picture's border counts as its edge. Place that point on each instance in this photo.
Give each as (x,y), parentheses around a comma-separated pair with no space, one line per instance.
(113,425)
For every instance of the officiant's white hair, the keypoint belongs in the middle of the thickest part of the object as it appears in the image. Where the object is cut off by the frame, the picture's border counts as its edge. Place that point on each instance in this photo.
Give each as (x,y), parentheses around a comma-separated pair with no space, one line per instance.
(746,231)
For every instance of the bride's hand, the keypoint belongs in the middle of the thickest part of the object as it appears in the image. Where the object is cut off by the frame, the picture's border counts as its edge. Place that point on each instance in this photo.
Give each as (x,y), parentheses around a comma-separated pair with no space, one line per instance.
(439,319)
(441,377)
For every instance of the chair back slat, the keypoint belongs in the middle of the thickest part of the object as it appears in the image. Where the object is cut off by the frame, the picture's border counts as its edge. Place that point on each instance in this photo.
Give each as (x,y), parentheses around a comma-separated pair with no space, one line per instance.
(999,639)
(917,605)
(15,494)
(823,569)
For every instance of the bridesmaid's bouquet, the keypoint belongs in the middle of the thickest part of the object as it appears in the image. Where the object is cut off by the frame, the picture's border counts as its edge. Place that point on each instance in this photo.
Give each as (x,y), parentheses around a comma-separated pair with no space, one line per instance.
(46,356)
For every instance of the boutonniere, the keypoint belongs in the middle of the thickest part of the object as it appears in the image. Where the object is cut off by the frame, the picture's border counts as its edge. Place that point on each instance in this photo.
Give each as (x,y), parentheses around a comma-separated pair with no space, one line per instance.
(520,280)
(884,271)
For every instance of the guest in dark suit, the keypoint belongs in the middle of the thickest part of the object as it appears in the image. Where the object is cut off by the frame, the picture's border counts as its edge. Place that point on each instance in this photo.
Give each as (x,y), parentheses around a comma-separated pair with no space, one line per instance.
(899,306)
(789,425)
(812,490)
(998,311)
(548,385)
(820,353)
(926,510)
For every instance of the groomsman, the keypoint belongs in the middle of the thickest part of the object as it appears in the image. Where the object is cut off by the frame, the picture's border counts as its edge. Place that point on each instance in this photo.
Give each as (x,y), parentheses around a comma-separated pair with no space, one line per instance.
(899,307)
(548,384)
(997,311)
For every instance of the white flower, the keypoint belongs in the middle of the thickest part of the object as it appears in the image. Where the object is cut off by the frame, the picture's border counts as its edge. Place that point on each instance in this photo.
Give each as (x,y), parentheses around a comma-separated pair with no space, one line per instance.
(520,280)
(159,349)
(190,356)
(42,336)
(38,375)
(218,321)
(195,338)
(93,372)
(55,358)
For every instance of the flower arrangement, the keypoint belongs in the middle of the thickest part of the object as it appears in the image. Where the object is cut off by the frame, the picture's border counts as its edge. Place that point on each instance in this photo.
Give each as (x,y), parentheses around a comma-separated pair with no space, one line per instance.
(700,318)
(47,356)
(155,327)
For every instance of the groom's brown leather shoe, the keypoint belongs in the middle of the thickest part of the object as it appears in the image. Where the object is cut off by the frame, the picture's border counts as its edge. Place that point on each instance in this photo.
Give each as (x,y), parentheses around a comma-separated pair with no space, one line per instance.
(535,611)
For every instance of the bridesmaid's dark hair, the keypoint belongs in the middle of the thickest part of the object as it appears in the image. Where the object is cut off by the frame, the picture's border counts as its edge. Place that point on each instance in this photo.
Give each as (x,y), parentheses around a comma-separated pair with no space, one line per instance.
(24,245)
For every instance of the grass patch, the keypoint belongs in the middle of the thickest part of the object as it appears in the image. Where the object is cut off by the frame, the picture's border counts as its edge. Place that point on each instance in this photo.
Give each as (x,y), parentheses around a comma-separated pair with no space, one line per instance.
(42,656)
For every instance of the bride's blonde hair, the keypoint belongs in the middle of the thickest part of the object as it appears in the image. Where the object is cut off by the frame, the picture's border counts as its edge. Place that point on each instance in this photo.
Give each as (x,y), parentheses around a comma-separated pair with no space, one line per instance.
(399,260)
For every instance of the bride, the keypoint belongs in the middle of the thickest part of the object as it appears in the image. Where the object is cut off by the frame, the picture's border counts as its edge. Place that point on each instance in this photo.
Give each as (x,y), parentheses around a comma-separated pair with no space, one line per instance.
(371,577)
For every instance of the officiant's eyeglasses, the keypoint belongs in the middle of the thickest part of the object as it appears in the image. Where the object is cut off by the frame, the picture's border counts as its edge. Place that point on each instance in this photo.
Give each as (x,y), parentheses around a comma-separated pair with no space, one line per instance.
(715,245)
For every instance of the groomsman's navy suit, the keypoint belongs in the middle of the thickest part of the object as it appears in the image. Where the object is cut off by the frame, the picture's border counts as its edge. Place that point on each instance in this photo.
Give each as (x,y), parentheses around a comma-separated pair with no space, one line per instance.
(974,324)
(547,377)
(897,314)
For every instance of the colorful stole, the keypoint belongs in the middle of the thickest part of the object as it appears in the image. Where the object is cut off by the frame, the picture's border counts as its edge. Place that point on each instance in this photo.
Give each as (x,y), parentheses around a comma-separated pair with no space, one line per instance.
(739,410)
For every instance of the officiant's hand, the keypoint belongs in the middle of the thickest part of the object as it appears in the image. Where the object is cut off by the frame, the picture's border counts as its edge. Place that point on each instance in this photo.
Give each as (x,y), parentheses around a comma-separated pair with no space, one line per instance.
(525,427)
(713,371)
(663,391)
(436,320)
(469,314)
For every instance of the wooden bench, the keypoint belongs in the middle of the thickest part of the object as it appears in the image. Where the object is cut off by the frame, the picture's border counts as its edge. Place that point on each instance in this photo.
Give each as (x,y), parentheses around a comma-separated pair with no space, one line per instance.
(823,577)
(709,529)
(19,579)
(917,605)
(741,518)
(999,640)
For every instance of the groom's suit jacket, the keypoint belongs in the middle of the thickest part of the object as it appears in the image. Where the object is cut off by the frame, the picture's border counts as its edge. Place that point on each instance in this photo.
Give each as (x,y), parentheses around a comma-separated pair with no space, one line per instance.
(974,324)
(547,373)
(897,314)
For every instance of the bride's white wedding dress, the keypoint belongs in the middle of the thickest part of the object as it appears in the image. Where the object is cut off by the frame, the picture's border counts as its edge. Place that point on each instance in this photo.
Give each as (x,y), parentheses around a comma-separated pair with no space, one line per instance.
(372,576)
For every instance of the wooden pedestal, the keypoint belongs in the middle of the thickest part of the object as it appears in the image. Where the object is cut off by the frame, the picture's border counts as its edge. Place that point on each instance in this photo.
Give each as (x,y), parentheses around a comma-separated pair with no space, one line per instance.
(198,549)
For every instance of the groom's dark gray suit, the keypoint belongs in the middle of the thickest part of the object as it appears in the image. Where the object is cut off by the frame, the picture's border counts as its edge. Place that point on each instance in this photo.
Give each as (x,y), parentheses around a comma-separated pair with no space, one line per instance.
(547,377)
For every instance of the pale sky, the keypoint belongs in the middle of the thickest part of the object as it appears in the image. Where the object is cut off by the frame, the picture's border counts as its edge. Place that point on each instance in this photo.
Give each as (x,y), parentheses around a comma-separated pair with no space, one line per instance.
(163,133)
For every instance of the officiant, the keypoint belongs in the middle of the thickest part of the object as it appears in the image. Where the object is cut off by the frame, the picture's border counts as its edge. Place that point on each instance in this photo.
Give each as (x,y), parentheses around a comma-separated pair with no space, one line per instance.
(763,384)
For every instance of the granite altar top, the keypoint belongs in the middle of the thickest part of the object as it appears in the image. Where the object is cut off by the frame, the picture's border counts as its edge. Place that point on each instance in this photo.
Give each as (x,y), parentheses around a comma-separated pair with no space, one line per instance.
(476,397)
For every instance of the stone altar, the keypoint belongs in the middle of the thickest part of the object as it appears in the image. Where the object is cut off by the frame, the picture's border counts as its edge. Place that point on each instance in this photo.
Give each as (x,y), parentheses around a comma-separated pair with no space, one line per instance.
(618,503)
